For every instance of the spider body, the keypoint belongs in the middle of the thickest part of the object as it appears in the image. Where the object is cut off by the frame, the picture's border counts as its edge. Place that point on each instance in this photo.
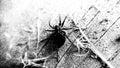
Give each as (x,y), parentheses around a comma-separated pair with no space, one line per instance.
(53,43)
(55,40)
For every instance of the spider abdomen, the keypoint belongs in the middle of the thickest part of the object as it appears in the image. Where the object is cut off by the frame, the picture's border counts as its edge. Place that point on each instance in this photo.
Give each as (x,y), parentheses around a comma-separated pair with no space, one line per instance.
(59,40)
(56,40)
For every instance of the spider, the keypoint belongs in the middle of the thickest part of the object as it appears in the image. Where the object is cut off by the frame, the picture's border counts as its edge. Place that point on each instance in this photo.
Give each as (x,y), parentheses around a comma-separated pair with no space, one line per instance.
(55,40)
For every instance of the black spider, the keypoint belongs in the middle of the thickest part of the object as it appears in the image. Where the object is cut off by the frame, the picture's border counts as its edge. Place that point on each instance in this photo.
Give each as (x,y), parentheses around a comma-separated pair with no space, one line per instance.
(55,40)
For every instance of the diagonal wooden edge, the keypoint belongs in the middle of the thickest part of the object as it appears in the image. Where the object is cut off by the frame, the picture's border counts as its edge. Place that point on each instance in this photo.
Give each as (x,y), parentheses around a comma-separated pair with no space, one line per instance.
(91,46)
(65,51)
(94,49)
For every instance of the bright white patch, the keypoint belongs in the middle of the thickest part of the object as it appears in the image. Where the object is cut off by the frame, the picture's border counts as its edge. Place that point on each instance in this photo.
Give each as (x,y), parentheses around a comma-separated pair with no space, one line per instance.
(25,13)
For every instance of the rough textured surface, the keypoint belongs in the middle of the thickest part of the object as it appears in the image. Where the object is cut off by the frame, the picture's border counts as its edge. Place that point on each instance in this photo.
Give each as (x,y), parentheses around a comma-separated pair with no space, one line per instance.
(99,20)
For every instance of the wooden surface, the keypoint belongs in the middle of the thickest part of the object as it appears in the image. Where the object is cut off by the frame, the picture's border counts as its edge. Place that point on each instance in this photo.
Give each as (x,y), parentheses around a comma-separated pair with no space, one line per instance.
(98,22)
(102,28)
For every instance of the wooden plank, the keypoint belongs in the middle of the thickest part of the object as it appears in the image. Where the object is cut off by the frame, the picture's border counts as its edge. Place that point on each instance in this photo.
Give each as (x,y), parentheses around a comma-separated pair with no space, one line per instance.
(92,22)
(96,29)
(88,16)
(107,44)
(96,51)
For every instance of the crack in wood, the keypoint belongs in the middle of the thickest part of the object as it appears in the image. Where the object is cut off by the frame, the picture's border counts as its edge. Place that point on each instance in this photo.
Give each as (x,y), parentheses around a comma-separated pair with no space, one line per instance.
(114,55)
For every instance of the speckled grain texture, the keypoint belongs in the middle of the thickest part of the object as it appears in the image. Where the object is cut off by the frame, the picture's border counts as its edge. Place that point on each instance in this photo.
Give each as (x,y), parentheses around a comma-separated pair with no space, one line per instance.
(20,20)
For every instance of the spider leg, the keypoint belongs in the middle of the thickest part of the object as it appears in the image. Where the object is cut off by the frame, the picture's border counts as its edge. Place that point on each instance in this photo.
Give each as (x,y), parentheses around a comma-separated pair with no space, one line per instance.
(59,21)
(50,30)
(63,21)
(66,28)
(51,26)
(46,42)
